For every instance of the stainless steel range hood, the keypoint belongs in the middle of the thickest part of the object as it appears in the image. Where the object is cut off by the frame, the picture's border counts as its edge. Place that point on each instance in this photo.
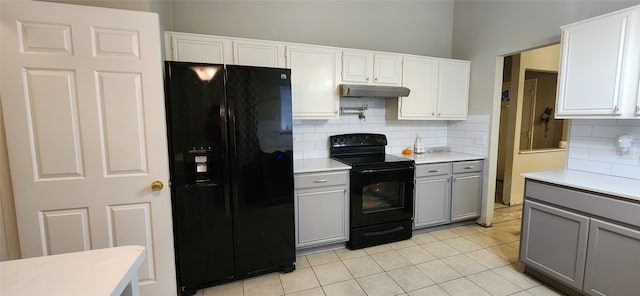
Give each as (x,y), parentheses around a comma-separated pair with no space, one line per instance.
(372,91)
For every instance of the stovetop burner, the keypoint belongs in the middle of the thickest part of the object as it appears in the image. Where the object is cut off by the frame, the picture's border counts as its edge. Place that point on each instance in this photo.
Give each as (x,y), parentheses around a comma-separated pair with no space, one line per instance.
(363,150)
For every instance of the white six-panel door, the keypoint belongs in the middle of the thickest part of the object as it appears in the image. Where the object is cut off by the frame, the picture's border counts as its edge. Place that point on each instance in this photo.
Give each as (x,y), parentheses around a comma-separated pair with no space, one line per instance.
(83,106)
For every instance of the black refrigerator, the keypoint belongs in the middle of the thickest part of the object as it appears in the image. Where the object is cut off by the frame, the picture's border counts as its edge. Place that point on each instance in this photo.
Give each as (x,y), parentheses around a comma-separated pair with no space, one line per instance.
(231,160)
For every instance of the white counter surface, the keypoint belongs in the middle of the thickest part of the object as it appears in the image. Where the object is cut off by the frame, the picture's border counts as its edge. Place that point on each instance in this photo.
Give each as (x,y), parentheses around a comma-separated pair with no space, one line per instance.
(95,272)
(618,186)
(318,165)
(440,157)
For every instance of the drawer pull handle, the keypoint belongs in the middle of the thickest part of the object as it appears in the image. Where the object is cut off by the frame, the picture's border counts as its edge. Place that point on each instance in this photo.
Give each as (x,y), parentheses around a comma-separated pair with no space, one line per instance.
(433,171)
(321,181)
(469,167)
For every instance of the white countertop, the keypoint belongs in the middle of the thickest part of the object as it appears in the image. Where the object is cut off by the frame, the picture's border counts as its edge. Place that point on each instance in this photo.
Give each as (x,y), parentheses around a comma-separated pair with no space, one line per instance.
(328,164)
(440,157)
(618,186)
(318,165)
(96,272)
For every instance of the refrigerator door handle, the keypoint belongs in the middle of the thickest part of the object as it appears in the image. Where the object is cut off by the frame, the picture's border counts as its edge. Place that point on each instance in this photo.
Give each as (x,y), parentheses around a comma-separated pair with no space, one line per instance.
(233,136)
(232,159)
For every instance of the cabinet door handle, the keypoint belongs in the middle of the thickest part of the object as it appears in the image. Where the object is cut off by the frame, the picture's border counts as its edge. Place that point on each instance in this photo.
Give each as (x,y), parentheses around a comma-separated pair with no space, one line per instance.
(321,181)
(469,167)
(433,171)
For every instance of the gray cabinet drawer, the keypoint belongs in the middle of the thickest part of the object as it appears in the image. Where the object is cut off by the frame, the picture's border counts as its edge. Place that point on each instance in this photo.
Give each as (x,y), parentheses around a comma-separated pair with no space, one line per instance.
(321,179)
(434,169)
(586,202)
(467,166)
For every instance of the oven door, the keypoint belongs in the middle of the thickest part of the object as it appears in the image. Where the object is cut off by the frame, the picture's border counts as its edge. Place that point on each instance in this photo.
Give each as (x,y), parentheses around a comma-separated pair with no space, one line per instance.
(381,195)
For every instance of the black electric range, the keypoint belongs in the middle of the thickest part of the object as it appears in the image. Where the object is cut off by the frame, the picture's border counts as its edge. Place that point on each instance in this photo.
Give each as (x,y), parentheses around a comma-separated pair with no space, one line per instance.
(381,189)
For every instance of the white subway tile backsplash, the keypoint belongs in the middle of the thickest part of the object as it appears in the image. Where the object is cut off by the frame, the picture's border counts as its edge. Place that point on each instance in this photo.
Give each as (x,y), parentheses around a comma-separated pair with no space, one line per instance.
(592,143)
(608,131)
(462,135)
(578,153)
(589,166)
(612,156)
(627,171)
(593,148)
(581,130)
(311,136)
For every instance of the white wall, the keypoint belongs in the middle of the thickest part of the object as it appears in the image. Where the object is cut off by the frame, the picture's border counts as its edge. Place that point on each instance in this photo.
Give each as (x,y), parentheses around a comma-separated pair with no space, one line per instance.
(485,31)
(415,27)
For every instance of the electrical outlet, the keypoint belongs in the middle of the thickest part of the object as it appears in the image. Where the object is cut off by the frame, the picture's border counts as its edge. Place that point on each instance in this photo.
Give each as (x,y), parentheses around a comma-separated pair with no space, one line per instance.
(481,140)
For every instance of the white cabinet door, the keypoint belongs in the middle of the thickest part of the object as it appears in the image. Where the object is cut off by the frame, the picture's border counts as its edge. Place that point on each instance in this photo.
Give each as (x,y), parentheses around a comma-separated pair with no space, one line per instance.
(420,75)
(314,81)
(599,66)
(258,53)
(357,67)
(432,201)
(82,96)
(439,90)
(612,247)
(387,69)
(197,48)
(453,89)
(363,67)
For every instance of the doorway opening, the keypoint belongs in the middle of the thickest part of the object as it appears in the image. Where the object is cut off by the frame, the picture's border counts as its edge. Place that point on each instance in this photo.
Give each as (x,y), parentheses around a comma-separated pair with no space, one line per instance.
(530,138)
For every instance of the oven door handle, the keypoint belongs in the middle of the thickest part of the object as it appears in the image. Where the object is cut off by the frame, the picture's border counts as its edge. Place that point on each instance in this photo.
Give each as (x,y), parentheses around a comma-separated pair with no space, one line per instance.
(384,232)
(369,171)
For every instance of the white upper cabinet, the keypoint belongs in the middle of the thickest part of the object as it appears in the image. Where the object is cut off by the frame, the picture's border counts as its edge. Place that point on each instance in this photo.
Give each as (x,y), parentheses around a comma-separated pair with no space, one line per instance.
(258,53)
(439,90)
(185,47)
(314,81)
(599,67)
(420,75)
(453,89)
(364,67)
(439,87)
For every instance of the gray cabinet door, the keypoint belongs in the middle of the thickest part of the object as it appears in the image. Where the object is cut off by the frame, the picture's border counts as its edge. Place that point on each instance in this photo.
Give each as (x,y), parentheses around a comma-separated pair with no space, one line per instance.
(613,260)
(554,241)
(466,196)
(322,217)
(432,201)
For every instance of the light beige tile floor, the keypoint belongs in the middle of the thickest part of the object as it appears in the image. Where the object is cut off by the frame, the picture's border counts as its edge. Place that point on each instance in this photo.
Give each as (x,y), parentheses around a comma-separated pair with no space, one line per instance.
(465,260)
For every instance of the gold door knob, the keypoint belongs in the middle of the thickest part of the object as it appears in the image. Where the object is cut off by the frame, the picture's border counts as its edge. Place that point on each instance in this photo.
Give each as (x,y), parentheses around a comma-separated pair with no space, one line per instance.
(157,185)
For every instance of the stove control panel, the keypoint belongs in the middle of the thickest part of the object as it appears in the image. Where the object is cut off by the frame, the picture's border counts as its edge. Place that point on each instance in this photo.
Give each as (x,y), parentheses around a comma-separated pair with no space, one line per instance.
(355,140)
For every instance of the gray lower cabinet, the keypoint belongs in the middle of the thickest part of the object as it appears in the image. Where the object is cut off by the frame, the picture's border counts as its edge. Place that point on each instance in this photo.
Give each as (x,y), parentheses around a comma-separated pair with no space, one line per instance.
(466,190)
(583,240)
(321,208)
(447,192)
(554,241)
(432,202)
(613,260)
